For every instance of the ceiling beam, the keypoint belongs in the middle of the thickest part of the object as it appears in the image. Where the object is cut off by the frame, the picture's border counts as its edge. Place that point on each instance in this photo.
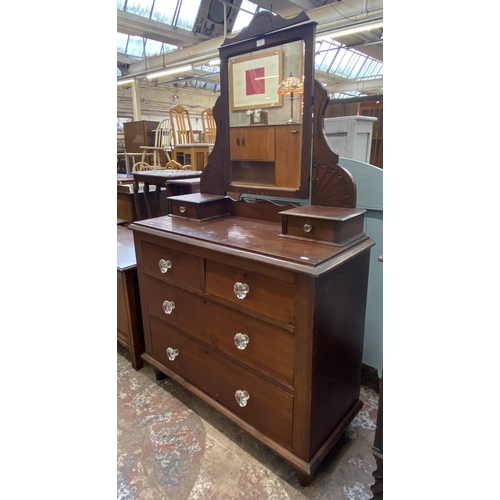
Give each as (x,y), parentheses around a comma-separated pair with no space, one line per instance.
(132,24)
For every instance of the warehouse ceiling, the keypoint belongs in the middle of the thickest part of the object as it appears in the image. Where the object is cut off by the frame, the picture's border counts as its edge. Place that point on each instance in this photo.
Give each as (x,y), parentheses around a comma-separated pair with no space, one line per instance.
(158,34)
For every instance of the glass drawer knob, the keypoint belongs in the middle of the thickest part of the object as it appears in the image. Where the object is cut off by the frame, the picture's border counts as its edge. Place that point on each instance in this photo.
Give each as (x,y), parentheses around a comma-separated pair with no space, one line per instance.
(307,228)
(182,209)
(164,265)
(172,353)
(168,306)
(241,289)
(242,397)
(241,340)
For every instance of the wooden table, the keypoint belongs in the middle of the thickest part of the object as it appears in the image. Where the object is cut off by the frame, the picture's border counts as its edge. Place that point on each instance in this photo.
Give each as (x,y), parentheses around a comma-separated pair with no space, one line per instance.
(159,179)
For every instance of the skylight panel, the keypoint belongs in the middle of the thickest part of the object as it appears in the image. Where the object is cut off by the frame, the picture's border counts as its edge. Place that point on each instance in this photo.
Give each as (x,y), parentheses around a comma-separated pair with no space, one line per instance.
(353,59)
(153,47)
(120,4)
(243,18)
(139,7)
(359,66)
(163,11)
(187,14)
(121,42)
(135,46)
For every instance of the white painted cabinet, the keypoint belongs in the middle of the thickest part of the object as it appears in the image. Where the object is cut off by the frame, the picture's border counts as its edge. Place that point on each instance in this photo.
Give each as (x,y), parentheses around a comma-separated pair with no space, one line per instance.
(350,136)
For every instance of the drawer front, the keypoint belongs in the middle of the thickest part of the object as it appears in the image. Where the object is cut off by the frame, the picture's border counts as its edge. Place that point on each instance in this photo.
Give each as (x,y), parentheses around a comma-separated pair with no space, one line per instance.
(308,227)
(260,293)
(187,210)
(268,408)
(258,344)
(172,266)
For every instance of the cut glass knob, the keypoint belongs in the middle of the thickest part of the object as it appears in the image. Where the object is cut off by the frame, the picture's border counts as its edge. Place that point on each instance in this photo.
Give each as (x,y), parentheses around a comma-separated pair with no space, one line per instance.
(168,306)
(182,209)
(242,397)
(164,265)
(172,353)
(241,340)
(241,289)
(307,228)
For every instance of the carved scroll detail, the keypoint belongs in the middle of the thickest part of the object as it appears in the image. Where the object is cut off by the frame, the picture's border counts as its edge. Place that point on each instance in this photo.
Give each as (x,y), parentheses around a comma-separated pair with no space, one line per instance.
(331,184)
(265,22)
(212,177)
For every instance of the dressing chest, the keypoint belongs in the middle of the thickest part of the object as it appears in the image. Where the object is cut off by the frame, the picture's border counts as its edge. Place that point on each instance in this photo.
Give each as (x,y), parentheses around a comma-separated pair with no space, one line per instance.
(258,307)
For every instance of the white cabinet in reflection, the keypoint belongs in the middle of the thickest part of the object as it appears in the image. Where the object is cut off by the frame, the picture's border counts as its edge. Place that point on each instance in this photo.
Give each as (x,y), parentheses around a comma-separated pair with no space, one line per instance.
(350,136)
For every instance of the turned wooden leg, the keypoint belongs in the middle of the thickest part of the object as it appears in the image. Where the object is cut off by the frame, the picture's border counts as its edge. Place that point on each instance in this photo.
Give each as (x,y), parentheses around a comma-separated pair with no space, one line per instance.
(304,479)
(158,374)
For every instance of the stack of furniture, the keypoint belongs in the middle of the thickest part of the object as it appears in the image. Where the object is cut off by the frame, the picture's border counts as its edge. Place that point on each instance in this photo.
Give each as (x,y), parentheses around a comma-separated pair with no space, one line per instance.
(209,127)
(137,134)
(185,150)
(257,307)
(161,148)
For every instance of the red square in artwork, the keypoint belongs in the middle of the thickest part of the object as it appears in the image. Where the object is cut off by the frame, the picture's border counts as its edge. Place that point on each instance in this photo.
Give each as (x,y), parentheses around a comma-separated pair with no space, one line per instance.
(255,83)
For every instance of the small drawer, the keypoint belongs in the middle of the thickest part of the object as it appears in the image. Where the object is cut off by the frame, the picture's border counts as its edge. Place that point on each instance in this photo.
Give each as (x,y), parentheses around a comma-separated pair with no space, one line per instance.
(334,225)
(198,206)
(255,400)
(270,296)
(172,266)
(260,345)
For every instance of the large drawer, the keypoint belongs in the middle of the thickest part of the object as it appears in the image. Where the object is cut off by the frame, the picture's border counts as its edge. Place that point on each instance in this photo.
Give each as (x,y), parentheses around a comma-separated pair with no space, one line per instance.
(268,408)
(269,349)
(264,294)
(172,266)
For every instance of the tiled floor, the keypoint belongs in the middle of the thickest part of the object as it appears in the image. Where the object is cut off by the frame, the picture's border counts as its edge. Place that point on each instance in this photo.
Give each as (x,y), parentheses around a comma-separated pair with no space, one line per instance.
(172,445)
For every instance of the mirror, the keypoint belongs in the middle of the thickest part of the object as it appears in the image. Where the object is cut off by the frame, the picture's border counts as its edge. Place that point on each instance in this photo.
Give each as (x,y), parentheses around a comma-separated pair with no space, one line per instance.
(265,125)
(266,90)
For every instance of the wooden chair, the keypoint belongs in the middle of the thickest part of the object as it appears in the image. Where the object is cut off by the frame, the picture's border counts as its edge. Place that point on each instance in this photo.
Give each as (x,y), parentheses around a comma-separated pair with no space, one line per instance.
(208,125)
(163,142)
(185,150)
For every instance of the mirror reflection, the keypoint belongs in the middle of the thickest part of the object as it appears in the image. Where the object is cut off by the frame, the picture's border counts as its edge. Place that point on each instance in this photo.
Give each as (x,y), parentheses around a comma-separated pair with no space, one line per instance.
(265,116)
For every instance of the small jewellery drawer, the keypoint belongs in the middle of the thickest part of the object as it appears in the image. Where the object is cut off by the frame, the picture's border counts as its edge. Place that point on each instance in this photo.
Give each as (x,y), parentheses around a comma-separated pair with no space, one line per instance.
(260,403)
(256,292)
(198,206)
(258,344)
(335,225)
(172,266)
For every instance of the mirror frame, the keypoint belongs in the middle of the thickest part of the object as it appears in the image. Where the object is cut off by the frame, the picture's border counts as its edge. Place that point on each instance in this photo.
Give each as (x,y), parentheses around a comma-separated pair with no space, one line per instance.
(269,30)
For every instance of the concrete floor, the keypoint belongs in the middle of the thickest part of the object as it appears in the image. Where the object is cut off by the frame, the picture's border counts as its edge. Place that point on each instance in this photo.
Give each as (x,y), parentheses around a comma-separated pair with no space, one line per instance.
(171,445)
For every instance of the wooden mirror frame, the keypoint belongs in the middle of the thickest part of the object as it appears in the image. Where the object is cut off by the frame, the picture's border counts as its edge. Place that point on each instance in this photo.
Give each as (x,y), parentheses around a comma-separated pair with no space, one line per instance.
(322,180)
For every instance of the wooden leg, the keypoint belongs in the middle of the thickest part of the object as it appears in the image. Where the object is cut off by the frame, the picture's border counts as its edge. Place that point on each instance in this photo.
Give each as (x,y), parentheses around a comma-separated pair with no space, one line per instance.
(159,375)
(304,479)
(158,207)
(137,202)
(147,200)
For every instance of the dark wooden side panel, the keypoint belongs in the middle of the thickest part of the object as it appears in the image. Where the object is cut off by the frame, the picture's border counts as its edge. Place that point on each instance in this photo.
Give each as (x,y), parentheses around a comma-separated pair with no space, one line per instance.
(337,346)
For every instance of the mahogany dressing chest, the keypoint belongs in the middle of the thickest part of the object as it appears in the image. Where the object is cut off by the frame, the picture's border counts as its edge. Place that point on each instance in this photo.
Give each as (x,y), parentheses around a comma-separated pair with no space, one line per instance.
(257,306)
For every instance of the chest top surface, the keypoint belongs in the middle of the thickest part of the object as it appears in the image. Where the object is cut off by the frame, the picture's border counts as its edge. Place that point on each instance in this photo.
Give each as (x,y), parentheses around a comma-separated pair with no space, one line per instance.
(253,239)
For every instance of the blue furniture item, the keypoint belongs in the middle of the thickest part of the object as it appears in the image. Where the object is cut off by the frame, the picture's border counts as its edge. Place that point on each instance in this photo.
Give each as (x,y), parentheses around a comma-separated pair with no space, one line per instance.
(369,188)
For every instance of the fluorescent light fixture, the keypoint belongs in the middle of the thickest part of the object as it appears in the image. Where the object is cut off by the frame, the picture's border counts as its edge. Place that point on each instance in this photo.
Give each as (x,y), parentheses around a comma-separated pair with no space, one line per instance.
(125,82)
(170,71)
(350,31)
(214,62)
